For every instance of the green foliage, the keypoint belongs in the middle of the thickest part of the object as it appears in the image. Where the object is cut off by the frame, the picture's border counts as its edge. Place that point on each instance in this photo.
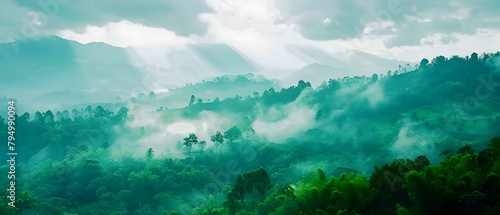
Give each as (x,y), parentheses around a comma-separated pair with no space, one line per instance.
(254,183)
(189,141)
(150,154)
(202,144)
(72,162)
(217,139)
(191,100)
(233,134)
(458,185)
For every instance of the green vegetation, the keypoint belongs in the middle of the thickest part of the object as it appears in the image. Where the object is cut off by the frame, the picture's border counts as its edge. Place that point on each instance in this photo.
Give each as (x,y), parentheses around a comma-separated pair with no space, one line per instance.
(414,141)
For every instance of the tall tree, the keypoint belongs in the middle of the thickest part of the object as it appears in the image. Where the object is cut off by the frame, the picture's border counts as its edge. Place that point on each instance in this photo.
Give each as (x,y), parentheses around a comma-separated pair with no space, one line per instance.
(150,154)
(233,134)
(217,139)
(49,116)
(474,57)
(191,100)
(423,63)
(189,141)
(256,183)
(202,145)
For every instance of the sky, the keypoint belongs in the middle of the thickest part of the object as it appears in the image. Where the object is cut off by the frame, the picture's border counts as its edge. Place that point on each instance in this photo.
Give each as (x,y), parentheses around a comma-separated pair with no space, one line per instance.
(406,30)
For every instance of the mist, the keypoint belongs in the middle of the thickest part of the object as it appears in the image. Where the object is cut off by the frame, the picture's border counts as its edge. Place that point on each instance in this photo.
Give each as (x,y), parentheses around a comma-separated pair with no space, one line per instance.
(104,132)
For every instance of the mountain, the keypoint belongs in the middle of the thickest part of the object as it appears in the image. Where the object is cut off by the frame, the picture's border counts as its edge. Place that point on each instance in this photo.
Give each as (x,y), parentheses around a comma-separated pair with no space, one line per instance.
(314,73)
(47,64)
(225,59)
(221,87)
(322,65)
(362,63)
(49,70)
(312,54)
(200,62)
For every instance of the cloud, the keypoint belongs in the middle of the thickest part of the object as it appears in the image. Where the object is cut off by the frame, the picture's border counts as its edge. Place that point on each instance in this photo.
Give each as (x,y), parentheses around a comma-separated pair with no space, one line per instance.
(412,142)
(325,19)
(126,34)
(298,120)
(250,27)
(260,29)
(449,40)
(51,16)
(279,123)
(412,32)
(374,94)
(410,146)
(406,21)
(165,136)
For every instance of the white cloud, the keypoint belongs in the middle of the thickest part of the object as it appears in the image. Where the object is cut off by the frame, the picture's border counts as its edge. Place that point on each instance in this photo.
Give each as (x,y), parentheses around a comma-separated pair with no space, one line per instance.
(181,128)
(374,94)
(250,27)
(150,43)
(260,29)
(299,119)
(126,34)
(166,136)
(327,21)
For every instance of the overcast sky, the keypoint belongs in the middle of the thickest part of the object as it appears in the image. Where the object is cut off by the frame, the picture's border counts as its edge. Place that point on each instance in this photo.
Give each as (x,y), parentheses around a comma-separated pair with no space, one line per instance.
(401,29)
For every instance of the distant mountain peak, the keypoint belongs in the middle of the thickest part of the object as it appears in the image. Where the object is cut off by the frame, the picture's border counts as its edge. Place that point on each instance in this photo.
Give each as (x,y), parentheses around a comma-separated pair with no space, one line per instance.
(39,38)
(224,59)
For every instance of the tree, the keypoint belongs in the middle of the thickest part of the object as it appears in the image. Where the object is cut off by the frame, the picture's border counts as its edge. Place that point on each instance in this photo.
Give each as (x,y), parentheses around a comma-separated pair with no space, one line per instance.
(466,149)
(49,116)
(88,111)
(191,100)
(374,78)
(438,60)
(423,63)
(25,201)
(447,153)
(202,145)
(39,117)
(256,183)
(105,145)
(302,84)
(474,57)
(59,116)
(122,115)
(24,118)
(75,113)
(233,134)
(495,145)
(90,170)
(151,95)
(98,111)
(143,182)
(149,154)
(189,141)
(217,139)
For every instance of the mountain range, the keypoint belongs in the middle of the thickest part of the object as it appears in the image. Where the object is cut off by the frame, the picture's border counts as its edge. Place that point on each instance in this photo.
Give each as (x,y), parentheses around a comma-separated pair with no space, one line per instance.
(50,71)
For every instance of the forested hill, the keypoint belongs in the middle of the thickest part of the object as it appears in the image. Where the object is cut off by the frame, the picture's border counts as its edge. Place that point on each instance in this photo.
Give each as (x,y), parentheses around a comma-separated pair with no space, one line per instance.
(429,129)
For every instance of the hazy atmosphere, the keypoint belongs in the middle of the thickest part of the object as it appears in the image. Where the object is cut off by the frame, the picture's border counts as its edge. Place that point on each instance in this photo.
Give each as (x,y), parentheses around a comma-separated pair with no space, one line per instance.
(211,107)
